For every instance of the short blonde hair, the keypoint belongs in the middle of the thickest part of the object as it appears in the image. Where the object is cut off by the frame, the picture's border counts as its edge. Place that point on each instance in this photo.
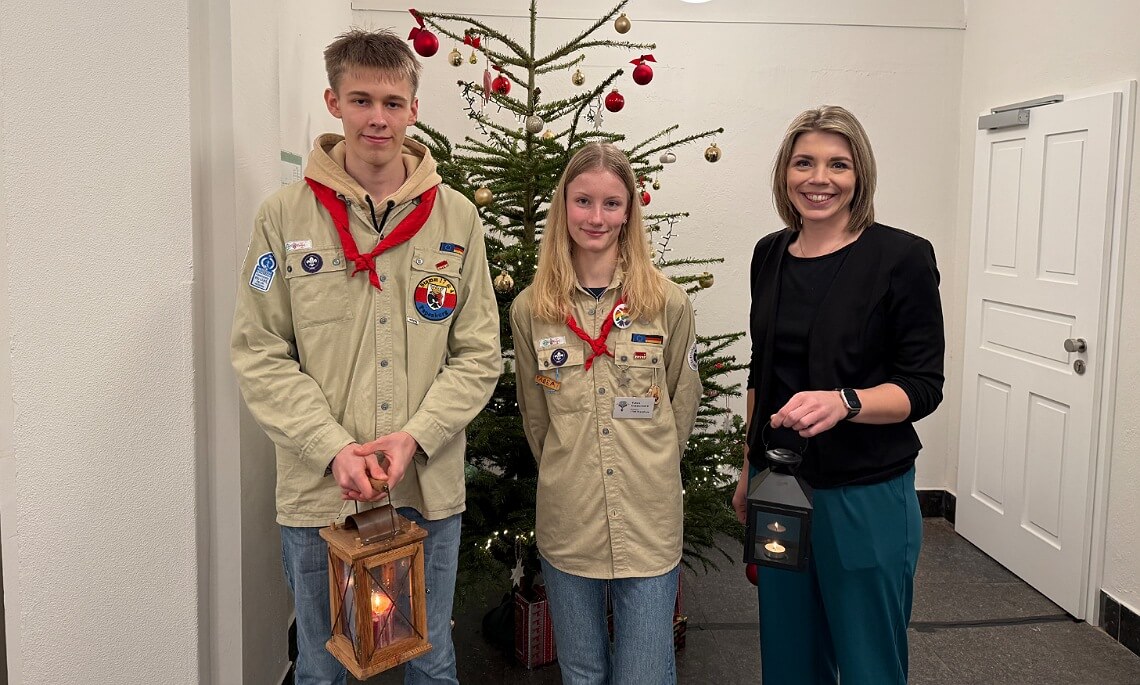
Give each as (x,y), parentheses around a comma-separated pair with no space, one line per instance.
(643,285)
(832,119)
(381,51)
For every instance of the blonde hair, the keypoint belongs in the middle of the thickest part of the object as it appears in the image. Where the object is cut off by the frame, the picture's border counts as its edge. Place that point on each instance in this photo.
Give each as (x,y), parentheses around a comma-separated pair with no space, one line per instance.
(381,51)
(643,285)
(832,119)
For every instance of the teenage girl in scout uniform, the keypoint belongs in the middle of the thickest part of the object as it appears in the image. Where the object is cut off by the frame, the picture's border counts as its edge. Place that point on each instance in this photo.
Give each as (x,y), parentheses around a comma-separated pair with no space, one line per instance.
(605,359)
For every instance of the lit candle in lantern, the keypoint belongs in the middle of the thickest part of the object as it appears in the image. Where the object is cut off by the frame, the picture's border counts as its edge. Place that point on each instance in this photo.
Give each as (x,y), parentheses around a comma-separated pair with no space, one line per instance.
(381,613)
(774,550)
(775,527)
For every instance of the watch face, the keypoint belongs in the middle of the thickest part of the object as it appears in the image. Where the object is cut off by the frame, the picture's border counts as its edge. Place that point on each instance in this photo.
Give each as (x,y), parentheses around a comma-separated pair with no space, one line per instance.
(851,399)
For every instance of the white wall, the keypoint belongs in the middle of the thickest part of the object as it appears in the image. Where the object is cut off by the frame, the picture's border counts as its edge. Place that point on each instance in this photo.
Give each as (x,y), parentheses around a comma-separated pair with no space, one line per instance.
(748,67)
(98,494)
(246,606)
(1015,51)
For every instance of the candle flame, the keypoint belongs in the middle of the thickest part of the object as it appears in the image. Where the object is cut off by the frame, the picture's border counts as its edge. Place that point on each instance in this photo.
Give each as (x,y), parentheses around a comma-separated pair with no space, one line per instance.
(774,547)
(775,527)
(381,604)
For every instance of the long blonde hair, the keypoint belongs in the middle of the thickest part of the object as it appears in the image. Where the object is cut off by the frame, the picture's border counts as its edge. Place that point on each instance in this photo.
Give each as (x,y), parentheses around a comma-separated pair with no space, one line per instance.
(643,285)
(832,119)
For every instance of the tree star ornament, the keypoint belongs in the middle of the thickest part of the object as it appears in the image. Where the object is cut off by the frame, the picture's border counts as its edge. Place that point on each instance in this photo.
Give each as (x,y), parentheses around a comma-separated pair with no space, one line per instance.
(622,24)
(517,574)
(642,72)
(424,41)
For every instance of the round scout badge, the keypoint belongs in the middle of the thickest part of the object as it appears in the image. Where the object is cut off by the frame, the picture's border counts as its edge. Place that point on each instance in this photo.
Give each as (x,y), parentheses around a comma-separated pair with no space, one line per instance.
(621,316)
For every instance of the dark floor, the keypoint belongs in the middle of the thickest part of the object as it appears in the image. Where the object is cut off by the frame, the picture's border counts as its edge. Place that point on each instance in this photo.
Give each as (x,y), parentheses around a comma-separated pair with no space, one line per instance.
(974,623)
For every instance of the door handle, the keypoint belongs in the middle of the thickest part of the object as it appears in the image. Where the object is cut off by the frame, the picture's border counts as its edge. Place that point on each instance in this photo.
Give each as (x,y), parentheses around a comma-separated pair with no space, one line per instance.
(1076,345)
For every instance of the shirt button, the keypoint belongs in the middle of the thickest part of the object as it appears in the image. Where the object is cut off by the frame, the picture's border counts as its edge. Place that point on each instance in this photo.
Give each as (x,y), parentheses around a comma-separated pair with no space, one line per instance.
(605,431)
(609,472)
(655,360)
(383,363)
(384,406)
(289,269)
(383,277)
(624,358)
(419,261)
(383,320)
(601,391)
(590,312)
(336,262)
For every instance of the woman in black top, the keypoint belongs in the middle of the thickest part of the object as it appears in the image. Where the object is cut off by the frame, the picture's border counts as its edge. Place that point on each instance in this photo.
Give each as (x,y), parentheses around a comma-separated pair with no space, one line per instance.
(847,352)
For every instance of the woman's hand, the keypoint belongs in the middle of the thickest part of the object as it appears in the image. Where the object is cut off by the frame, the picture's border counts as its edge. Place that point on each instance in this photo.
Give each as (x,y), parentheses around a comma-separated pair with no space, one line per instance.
(811,413)
(740,497)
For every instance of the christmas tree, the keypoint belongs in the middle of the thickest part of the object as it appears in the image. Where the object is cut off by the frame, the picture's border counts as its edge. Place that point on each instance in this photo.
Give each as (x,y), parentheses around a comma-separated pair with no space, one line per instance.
(509,168)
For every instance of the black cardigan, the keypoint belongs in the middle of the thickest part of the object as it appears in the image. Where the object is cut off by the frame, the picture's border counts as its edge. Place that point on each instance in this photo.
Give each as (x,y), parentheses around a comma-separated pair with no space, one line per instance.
(880,321)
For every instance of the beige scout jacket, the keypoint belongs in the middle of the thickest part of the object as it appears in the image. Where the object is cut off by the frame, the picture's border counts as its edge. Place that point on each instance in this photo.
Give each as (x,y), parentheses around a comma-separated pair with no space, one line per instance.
(609,490)
(324,359)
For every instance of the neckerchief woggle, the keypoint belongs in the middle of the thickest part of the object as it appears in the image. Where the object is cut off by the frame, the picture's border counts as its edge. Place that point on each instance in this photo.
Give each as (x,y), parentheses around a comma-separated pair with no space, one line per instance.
(597,345)
(408,227)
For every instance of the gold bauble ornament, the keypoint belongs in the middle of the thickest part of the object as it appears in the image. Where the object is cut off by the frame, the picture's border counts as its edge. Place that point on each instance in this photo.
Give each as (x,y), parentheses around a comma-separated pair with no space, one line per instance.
(548,134)
(504,283)
(705,280)
(621,24)
(656,184)
(474,58)
(578,78)
(712,153)
(534,123)
(483,196)
(455,57)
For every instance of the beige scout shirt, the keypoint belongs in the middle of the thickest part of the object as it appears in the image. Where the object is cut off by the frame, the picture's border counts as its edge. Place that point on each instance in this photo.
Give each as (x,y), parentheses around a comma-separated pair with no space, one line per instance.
(325,359)
(609,489)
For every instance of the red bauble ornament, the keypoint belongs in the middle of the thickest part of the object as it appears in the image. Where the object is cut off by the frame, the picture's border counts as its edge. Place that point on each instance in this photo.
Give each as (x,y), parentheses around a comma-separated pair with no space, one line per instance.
(642,72)
(645,198)
(751,570)
(615,101)
(424,42)
(501,85)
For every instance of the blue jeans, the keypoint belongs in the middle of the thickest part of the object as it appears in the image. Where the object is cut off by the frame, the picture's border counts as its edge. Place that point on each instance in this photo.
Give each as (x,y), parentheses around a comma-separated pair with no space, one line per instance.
(643,628)
(305,556)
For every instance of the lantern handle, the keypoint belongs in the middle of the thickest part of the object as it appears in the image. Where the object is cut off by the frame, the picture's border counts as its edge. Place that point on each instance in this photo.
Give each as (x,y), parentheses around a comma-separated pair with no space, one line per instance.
(764,441)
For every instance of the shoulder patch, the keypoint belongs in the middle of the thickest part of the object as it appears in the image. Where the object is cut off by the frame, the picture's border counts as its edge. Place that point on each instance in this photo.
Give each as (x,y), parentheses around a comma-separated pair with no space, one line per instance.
(693,356)
(263,273)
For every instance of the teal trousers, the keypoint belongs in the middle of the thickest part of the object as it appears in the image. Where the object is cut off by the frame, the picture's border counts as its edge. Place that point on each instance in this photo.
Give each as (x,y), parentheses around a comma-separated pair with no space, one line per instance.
(847,613)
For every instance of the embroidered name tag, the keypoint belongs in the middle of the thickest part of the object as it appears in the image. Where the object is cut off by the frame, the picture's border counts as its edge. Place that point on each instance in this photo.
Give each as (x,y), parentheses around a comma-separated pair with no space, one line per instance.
(547,382)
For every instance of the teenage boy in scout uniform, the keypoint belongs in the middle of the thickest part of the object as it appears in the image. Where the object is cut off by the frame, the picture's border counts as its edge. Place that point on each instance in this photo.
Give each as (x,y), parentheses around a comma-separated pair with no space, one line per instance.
(366,338)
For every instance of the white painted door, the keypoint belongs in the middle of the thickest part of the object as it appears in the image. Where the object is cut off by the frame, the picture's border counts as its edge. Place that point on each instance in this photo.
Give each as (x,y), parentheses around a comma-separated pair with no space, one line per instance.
(1039,245)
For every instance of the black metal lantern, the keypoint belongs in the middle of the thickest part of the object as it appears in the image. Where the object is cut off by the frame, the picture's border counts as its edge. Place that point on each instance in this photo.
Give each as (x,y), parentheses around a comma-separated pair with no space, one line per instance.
(778,527)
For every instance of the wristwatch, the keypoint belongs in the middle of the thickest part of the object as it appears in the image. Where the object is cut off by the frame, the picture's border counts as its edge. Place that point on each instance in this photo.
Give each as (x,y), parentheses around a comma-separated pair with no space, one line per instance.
(851,401)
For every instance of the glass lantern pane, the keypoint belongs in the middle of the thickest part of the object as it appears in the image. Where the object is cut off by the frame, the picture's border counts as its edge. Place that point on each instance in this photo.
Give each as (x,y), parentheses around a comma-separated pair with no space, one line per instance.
(345,622)
(780,527)
(391,602)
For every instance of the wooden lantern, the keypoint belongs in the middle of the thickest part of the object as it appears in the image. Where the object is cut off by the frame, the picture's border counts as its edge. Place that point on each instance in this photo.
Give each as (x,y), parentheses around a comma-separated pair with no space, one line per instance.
(376,591)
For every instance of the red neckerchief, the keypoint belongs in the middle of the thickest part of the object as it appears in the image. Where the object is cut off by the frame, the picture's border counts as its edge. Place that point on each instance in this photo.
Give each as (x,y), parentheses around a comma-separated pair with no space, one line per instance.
(597,345)
(407,228)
